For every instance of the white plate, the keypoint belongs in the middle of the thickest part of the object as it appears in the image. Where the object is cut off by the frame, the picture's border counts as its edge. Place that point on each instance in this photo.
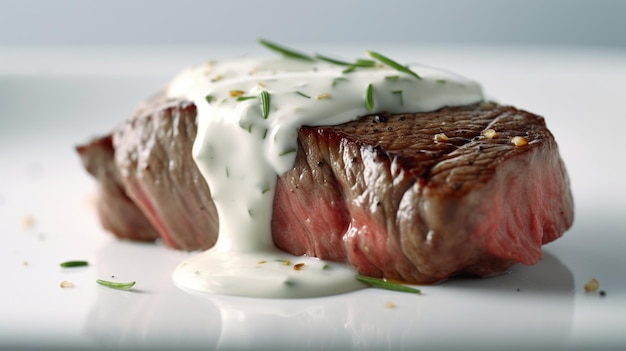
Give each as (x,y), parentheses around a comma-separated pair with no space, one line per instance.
(53,98)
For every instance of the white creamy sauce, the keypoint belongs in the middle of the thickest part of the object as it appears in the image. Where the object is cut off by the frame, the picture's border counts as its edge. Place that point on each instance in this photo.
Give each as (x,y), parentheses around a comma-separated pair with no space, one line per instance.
(240,151)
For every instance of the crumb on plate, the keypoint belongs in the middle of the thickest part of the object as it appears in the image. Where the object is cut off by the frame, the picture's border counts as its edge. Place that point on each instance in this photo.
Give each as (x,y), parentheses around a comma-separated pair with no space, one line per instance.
(389,305)
(66,284)
(28,222)
(592,285)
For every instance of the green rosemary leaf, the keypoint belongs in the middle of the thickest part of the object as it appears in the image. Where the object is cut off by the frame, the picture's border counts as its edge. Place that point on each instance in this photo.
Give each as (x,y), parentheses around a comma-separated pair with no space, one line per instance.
(286,152)
(265,104)
(303,94)
(393,64)
(349,69)
(351,65)
(369,97)
(365,63)
(332,60)
(245,126)
(265,133)
(244,98)
(209,98)
(383,284)
(392,77)
(442,81)
(284,51)
(68,264)
(360,63)
(114,285)
(339,79)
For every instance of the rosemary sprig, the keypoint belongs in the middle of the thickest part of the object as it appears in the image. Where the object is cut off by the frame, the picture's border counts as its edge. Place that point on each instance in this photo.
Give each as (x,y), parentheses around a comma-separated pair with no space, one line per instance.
(114,285)
(303,94)
(393,64)
(383,284)
(365,63)
(339,79)
(287,152)
(245,126)
(68,264)
(265,103)
(351,66)
(360,63)
(369,97)
(332,60)
(245,97)
(284,51)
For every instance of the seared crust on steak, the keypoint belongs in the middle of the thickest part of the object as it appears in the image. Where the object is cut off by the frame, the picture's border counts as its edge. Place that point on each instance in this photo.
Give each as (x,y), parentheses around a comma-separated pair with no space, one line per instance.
(417,197)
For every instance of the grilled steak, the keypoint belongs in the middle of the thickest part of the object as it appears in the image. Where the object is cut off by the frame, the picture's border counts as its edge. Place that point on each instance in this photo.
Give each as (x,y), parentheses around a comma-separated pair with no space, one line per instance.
(417,197)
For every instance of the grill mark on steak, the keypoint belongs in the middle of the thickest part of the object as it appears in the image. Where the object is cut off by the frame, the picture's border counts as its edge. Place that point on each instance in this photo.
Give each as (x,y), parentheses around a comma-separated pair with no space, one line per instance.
(378,192)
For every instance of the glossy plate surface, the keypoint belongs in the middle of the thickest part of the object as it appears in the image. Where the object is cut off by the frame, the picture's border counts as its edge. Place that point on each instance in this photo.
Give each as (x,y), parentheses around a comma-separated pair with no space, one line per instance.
(53,98)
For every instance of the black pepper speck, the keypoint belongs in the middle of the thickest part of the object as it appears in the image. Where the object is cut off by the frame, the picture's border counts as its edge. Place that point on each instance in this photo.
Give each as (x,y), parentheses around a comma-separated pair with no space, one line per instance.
(381,118)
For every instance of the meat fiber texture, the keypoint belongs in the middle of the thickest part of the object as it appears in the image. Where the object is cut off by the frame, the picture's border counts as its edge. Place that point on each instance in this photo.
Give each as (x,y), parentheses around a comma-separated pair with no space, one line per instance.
(415,197)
